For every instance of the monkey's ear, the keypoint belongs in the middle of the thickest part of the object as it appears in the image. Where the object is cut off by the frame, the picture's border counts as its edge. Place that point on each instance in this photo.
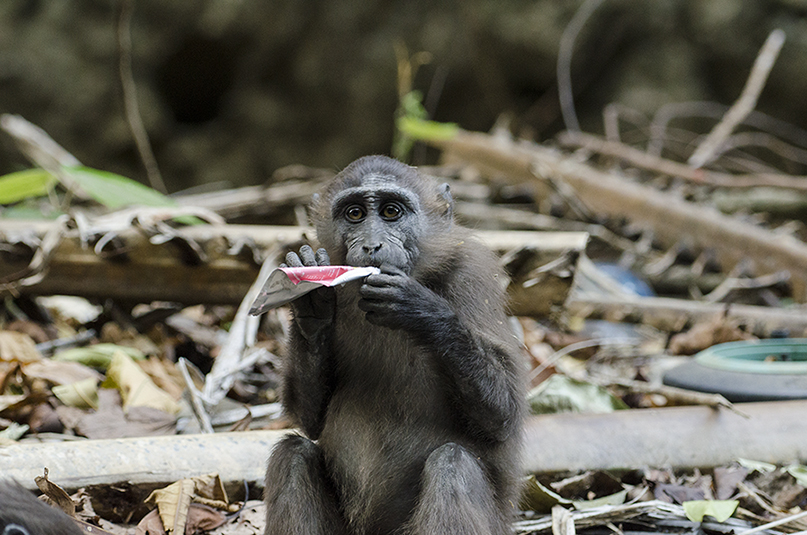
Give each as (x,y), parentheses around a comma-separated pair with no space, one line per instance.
(445,193)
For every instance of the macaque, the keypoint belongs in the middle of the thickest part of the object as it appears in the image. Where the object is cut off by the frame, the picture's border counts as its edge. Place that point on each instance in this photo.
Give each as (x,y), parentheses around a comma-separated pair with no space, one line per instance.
(407,385)
(22,514)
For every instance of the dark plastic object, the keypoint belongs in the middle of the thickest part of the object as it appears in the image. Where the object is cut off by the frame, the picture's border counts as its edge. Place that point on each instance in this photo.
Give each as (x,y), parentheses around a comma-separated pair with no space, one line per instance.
(764,370)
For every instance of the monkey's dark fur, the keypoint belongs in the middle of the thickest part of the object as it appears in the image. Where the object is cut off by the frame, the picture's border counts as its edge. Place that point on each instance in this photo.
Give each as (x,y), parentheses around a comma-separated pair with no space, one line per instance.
(409,381)
(22,514)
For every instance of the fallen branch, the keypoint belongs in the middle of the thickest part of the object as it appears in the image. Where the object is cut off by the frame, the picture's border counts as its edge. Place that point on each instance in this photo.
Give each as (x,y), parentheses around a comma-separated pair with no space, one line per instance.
(656,164)
(673,315)
(219,263)
(671,218)
(679,437)
(711,145)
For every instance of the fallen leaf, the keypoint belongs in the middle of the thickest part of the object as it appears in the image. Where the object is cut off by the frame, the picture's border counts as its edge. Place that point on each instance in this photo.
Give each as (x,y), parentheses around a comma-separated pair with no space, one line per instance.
(59,373)
(18,347)
(799,472)
(618,498)
(97,356)
(173,503)
(202,518)
(136,387)
(56,494)
(560,393)
(538,498)
(720,510)
(150,525)
(706,334)
(109,420)
(81,394)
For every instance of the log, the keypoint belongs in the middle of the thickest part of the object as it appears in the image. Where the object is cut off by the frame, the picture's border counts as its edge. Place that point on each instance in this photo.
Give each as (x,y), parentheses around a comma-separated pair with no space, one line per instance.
(672,219)
(198,266)
(677,437)
(671,315)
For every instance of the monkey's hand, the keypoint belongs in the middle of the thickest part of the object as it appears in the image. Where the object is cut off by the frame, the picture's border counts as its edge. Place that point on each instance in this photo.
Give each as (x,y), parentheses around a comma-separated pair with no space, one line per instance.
(395,300)
(313,312)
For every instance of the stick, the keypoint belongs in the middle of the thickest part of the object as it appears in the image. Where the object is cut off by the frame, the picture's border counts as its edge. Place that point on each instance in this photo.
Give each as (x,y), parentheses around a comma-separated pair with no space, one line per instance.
(564,69)
(651,162)
(707,150)
(130,99)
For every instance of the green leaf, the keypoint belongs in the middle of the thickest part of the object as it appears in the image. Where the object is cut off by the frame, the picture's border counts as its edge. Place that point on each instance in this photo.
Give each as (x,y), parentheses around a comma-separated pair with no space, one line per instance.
(560,393)
(81,394)
(758,466)
(617,498)
(720,510)
(115,191)
(98,355)
(427,130)
(15,187)
(798,471)
(538,498)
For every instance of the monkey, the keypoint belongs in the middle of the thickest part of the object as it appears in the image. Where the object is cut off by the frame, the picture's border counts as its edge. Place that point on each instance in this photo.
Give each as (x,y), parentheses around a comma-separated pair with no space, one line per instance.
(407,385)
(22,514)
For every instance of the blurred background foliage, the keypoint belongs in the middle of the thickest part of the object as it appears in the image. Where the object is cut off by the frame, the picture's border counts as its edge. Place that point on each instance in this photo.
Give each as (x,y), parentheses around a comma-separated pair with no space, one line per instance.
(230,90)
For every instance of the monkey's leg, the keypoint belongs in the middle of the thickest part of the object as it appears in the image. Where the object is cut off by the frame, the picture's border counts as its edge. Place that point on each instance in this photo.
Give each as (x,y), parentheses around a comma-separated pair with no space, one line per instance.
(299,496)
(456,497)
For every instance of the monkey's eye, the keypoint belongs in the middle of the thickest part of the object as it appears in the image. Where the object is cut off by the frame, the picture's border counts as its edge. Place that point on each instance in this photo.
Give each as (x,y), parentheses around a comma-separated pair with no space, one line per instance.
(391,211)
(355,213)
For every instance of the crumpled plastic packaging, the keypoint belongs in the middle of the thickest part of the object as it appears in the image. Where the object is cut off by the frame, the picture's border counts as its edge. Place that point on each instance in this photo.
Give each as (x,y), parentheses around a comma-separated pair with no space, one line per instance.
(288,283)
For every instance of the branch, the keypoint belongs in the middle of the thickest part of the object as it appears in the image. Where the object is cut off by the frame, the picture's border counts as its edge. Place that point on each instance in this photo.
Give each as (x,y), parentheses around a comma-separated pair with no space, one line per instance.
(710,146)
(651,162)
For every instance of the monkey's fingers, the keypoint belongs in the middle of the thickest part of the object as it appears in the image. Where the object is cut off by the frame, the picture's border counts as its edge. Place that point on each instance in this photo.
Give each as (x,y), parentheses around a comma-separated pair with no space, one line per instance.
(322,257)
(292,260)
(379,293)
(307,255)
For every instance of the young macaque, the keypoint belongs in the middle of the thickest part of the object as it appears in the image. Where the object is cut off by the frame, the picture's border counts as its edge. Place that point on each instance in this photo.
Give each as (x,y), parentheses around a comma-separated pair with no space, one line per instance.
(406,384)
(22,514)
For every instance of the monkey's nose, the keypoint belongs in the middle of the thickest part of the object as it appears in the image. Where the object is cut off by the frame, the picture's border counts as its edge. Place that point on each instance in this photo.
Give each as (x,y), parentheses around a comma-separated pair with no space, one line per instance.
(372,249)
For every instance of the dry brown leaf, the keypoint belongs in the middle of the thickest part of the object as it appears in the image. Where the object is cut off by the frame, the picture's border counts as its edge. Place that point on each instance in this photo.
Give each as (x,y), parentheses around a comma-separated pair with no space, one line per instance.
(706,334)
(18,347)
(56,494)
(173,503)
(165,375)
(150,525)
(136,387)
(202,518)
(109,421)
(59,372)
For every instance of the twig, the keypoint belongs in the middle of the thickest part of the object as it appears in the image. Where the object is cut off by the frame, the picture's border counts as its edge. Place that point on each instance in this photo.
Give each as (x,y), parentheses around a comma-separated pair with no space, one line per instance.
(673,393)
(564,67)
(775,523)
(768,141)
(745,104)
(130,98)
(715,110)
(197,406)
(651,162)
(562,521)
(594,342)
(736,283)
(241,337)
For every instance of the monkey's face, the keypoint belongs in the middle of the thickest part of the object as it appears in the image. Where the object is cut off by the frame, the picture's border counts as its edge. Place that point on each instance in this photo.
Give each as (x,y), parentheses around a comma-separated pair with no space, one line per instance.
(376,223)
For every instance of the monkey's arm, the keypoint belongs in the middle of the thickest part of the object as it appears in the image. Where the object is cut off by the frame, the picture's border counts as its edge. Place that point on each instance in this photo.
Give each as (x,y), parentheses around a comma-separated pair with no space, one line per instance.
(308,374)
(477,368)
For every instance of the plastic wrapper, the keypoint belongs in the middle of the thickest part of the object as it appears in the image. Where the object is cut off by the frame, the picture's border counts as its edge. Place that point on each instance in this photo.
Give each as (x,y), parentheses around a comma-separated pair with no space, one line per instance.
(288,283)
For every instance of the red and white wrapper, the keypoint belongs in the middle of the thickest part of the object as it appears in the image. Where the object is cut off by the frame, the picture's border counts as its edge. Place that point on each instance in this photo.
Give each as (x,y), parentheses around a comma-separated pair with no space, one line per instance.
(287,284)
